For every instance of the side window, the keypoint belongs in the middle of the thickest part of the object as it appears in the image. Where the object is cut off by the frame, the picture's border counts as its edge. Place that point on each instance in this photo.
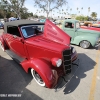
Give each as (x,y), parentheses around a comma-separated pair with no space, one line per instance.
(13,30)
(32,30)
(69,25)
(28,31)
(40,28)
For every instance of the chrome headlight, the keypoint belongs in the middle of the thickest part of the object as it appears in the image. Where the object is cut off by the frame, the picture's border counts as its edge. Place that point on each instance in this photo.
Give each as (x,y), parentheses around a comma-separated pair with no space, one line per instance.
(58,63)
(99,40)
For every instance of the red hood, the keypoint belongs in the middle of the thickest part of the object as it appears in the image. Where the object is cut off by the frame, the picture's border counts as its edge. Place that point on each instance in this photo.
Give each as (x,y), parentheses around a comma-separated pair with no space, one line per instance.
(54,33)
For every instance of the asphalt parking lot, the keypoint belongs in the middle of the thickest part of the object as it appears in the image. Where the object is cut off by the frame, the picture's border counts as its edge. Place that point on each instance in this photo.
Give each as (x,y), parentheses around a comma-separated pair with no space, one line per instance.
(85,85)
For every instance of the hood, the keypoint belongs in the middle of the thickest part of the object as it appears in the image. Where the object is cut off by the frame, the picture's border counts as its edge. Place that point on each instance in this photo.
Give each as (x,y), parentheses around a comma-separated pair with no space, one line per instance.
(45,43)
(54,33)
(88,31)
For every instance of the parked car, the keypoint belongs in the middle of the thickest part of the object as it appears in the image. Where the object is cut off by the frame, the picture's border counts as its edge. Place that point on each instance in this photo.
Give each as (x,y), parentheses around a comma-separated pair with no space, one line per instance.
(45,49)
(12,19)
(83,37)
(2,21)
(1,25)
(91,28)
(42,20)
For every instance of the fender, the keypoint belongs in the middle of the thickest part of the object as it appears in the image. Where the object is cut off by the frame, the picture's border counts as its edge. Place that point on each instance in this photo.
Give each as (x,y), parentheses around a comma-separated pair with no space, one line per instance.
(43,68)
(91,38)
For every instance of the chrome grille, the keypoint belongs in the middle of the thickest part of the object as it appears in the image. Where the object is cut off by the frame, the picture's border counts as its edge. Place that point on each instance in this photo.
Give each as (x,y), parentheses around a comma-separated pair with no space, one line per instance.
(67,61)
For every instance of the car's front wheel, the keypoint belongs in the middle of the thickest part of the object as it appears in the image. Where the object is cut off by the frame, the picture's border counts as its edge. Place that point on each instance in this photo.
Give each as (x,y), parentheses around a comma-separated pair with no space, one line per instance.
(85,44)
(1,45)
(37,78)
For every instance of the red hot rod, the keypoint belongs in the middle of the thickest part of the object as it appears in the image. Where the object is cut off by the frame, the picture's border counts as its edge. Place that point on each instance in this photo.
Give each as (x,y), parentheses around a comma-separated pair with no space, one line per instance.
(45,49)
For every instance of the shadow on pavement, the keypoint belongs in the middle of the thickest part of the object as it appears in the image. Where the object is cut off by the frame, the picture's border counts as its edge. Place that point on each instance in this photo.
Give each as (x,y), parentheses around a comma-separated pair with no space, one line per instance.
(13,80)
(86,64)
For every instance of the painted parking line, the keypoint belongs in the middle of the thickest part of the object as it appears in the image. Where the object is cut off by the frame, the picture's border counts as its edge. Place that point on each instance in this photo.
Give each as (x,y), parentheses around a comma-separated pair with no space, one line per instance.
(93,83)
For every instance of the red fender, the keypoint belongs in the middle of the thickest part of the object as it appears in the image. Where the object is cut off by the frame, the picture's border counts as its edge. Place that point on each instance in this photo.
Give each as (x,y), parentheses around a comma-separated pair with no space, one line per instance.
(43,68)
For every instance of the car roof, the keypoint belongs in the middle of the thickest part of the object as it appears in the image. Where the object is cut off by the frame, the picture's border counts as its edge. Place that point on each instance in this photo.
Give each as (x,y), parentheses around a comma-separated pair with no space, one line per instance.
(71,20)
(21,22)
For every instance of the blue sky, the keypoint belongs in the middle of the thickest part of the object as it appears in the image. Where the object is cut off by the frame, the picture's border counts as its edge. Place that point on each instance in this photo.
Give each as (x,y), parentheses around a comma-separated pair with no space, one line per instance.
(93,4)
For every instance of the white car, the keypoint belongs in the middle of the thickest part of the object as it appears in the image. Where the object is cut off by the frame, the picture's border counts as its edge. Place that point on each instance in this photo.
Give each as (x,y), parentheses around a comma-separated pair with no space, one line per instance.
(2,20)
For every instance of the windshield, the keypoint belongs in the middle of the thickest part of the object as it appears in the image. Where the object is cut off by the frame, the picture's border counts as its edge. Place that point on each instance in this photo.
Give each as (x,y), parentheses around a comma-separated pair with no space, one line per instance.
(77,25)
(31,30)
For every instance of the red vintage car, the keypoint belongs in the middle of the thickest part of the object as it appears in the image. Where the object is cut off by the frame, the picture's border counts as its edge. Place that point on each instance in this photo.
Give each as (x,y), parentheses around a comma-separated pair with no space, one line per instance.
(45,49)
(91,28)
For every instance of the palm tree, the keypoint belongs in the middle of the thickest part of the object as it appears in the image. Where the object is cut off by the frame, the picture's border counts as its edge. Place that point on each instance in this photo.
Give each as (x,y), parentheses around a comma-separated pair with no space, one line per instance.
(53,15)
(70,10)
(93,15)
(37,11)
(88,10)
(77,10)
(40,11)
(81,10)
(59,13)
(67,11)
(62,12)
(65,14)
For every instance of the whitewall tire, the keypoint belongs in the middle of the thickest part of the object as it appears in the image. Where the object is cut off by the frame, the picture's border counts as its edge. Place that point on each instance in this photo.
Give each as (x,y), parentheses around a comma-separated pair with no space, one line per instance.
(37,78)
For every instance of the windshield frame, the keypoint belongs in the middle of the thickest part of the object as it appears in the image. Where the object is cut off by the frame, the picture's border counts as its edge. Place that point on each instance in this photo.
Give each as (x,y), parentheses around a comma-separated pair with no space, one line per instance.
(78,25)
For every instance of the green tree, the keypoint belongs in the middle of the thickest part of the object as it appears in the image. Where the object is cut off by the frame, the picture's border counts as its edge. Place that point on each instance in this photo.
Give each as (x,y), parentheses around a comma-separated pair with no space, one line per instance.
(94,15)
(82,18)
(35,16)
(15,5)
(6,11)
(25,14)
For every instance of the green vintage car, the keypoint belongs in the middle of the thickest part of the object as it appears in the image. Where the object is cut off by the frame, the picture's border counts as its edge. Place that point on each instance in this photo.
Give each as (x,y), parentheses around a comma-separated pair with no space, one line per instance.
(83,37)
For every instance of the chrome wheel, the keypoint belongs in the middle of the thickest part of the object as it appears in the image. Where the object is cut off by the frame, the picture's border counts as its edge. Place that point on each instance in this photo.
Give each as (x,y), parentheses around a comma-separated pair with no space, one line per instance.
(85,44)
(37,77)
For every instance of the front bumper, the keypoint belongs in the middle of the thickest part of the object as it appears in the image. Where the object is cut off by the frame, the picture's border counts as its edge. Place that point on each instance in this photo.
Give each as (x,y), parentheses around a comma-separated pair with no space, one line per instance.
(64,80)
(1,27)
(97,44)
(74,56)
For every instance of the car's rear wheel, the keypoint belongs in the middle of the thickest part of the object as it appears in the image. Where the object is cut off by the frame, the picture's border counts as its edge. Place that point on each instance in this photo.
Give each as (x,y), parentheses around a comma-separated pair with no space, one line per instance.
(37,78)
(85,44)
(1,45)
